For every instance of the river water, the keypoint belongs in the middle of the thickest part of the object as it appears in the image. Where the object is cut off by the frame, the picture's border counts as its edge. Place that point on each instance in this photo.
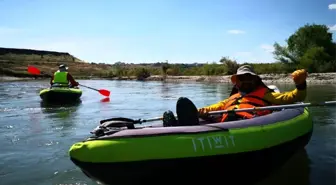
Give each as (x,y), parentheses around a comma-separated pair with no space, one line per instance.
(35,138)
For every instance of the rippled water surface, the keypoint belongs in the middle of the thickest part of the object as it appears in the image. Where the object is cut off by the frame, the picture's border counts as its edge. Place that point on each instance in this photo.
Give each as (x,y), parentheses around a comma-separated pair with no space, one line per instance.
(35,137)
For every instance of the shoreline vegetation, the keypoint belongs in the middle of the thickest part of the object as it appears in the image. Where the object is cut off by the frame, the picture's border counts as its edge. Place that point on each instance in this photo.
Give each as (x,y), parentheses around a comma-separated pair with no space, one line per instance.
(314,78)
(317,55)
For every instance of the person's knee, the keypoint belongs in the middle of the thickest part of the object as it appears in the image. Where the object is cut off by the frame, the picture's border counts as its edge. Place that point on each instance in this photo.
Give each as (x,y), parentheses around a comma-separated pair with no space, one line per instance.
(169,119)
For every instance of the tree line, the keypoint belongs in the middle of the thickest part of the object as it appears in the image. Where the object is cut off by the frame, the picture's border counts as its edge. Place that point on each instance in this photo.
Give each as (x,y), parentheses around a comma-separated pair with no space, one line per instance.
(311,47)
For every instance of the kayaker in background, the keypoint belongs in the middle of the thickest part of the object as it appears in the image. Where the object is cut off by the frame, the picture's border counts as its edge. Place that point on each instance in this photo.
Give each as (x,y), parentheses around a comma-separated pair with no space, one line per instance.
(62,78)
(249,91)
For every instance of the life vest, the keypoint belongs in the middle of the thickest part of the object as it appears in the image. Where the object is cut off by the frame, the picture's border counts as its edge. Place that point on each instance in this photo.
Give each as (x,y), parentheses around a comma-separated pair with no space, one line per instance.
(61,78)
(251,100)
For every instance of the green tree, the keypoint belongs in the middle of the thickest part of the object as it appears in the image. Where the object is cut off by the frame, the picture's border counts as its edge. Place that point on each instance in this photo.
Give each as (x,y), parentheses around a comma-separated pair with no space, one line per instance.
(142,73)
(310,36)
(315,59)
(310,46)
(231,65)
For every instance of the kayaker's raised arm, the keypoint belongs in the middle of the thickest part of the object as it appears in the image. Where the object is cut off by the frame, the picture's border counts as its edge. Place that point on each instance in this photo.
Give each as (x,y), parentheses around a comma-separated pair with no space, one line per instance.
(296,95)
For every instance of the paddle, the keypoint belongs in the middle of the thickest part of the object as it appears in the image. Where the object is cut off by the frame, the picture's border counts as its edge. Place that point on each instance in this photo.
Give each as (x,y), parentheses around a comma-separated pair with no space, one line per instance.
(101,91)
(276,107)
(36,71)
(120,122)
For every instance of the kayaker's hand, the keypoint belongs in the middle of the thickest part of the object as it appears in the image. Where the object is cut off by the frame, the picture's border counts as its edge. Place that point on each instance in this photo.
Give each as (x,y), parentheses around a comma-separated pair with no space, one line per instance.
(299,76)
(202,112)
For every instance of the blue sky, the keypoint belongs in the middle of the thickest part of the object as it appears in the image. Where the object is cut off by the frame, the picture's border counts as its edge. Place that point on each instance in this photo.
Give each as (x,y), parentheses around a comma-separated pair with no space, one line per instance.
(180,31)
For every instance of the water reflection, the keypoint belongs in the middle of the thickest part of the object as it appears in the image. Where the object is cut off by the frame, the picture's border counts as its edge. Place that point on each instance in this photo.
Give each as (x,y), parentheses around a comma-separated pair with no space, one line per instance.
(61,112)
(44,132)
(212,93)
(61,117)
(318,93)
(165,90)
(104,100)
(295,172)
(61,104)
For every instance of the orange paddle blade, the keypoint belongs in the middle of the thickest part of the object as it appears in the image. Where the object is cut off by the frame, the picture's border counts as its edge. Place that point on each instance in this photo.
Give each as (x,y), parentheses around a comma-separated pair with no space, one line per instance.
(104,92)
(33,70)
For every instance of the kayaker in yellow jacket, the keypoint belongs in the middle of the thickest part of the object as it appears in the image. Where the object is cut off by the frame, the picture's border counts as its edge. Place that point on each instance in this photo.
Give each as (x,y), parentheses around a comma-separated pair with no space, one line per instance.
(248,91)
(62,78)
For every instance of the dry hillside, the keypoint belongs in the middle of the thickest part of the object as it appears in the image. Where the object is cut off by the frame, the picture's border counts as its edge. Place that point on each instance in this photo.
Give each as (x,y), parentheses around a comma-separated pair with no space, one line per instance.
(14,62)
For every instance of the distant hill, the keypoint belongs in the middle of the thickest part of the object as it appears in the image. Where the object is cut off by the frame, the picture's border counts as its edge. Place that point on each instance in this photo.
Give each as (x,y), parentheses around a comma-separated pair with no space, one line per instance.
(14,62)
(35,55)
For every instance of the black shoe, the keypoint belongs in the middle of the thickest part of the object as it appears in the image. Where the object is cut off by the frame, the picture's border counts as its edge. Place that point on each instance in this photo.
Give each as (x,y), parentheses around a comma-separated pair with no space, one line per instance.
(187,113)
(169,119)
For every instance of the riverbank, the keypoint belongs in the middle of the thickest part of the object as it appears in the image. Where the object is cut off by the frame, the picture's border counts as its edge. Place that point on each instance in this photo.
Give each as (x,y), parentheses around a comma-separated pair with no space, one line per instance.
(12,78)
(313,78)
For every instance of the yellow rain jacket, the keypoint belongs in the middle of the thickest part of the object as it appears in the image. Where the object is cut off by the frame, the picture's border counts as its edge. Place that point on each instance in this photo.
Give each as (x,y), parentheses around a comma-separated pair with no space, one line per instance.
(274,98)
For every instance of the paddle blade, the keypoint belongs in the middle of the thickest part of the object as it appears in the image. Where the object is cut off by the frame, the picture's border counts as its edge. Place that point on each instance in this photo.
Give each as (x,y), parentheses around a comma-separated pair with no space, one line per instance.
(107,99)
(33,70)
(104,92)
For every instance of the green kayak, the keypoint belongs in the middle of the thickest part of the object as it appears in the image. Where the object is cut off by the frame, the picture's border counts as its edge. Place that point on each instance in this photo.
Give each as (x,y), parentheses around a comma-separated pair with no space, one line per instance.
(60,94)
(244,151)
(234,152)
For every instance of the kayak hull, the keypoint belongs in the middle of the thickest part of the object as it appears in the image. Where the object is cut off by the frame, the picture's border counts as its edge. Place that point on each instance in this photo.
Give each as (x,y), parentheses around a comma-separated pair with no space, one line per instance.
(243,151)
(60,94)
(254,166)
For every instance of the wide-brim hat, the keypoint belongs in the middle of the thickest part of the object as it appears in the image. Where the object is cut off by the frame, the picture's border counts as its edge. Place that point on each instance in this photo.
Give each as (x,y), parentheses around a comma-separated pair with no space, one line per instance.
(245,69)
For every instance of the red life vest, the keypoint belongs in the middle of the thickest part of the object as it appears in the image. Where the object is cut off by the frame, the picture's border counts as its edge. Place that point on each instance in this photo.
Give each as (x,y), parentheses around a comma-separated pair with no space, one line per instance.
(251,100)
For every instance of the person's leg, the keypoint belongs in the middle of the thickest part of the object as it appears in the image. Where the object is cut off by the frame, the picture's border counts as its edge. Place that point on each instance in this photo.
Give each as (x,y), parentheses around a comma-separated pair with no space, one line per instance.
(169,119)
(187,113)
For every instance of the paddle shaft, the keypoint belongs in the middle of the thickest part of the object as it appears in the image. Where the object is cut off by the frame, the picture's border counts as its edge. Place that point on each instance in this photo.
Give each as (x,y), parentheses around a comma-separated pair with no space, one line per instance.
(89,87)
(275,107)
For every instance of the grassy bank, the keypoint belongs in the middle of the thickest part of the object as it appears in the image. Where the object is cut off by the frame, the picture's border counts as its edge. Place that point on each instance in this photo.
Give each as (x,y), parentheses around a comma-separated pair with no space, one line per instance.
(314,78)
(311,47)
(14,63)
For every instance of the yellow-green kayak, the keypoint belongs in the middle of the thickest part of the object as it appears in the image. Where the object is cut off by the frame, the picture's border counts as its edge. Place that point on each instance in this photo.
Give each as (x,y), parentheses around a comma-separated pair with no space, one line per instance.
(60,94)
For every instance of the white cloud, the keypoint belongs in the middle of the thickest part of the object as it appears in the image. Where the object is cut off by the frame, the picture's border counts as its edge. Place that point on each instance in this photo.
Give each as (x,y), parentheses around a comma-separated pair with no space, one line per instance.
(332,28)
(332,6)
(236,31)
(267,48)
